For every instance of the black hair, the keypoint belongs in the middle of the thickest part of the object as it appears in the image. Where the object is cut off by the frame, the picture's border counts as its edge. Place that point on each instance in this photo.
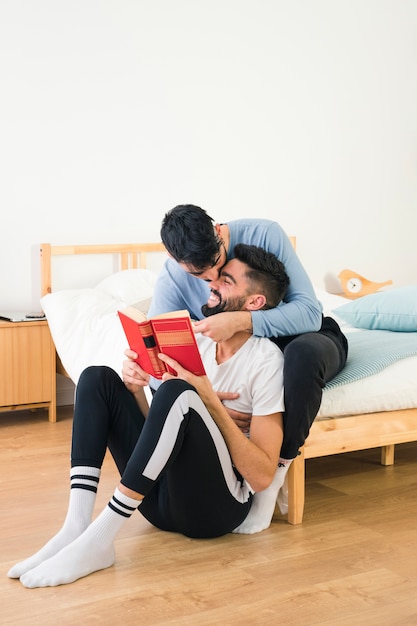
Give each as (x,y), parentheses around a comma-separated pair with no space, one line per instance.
(266,272)
(188,234)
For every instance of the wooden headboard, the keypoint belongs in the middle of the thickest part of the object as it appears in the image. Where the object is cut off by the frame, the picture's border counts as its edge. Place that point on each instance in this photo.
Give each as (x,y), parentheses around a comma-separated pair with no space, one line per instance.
(128,255)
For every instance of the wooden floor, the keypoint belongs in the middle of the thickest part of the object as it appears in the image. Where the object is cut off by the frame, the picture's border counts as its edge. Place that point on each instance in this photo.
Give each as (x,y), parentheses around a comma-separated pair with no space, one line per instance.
(352,561)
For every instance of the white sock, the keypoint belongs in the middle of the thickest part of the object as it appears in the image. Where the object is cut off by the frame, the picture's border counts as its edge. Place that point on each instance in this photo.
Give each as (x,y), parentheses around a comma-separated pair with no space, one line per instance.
(84,482)
(90,552)
(282,497)
(263,504)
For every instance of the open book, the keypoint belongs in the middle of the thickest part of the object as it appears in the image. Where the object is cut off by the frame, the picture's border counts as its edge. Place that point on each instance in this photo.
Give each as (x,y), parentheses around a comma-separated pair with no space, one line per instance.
(170,333)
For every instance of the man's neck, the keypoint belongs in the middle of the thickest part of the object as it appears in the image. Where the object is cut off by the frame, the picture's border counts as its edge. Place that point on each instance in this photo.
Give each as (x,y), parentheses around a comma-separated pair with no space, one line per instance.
(226,349)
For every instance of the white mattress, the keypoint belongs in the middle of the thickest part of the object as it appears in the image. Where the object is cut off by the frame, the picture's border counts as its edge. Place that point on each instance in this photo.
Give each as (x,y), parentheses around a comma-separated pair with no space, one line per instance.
(86,331)
(393,388)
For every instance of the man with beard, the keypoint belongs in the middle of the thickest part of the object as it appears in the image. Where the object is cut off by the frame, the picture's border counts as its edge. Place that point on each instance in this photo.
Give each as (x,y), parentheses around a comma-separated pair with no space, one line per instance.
(184,462)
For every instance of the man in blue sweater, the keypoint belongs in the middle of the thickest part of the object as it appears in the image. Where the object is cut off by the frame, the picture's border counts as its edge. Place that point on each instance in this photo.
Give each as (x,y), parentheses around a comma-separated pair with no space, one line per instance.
(314,347)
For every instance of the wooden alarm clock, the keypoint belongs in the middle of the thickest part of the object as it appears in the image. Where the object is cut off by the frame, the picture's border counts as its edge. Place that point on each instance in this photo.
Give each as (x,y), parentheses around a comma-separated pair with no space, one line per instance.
(355,286)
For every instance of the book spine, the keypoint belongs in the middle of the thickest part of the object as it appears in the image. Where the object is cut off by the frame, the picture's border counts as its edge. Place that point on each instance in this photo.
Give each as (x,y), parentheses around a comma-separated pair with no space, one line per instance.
(152,349)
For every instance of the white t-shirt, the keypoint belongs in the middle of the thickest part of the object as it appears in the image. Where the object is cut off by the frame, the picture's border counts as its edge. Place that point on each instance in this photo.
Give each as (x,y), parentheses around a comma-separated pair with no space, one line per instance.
(255,372)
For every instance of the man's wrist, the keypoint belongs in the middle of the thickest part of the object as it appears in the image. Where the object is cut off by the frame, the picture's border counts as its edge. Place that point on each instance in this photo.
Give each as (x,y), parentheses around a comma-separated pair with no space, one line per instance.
(244,321)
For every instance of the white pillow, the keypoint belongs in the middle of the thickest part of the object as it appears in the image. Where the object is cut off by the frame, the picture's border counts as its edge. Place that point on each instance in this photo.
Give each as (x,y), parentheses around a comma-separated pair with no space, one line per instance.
(129,285)
(84,323)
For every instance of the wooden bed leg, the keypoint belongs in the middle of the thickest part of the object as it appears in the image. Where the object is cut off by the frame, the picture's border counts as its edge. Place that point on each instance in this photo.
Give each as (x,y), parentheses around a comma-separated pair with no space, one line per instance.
(296,489)
(387,454)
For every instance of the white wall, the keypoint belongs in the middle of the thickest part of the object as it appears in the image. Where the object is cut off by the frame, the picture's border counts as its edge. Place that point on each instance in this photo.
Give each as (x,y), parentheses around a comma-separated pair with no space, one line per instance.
(114,111)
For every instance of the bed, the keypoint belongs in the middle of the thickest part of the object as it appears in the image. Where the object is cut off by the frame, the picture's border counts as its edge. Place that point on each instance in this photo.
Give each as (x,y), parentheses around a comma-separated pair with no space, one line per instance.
(377,409)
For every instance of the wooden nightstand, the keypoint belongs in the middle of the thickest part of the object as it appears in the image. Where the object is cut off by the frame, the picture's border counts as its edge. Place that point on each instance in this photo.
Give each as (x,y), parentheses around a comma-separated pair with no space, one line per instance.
(27,367)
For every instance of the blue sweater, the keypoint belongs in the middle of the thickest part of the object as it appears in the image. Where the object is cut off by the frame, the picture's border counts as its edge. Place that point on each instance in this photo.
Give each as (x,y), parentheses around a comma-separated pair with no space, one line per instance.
(299,313)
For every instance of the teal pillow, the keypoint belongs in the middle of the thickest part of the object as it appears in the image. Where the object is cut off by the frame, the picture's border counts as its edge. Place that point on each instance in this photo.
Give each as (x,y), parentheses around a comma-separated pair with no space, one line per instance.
(395,310)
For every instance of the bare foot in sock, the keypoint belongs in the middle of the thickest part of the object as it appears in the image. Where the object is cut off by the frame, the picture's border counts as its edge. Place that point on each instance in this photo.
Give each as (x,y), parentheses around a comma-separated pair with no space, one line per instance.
(261,512)
(65,536)
(84,480)
(85,555)
(282,498)
(263,505)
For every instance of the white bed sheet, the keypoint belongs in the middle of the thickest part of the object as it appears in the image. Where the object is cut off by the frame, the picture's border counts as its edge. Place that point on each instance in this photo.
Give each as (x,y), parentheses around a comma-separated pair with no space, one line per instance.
(86,331)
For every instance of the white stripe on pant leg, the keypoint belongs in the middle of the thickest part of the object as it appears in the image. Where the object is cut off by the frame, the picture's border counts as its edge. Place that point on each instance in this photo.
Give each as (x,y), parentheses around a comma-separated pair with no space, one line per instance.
(191,400)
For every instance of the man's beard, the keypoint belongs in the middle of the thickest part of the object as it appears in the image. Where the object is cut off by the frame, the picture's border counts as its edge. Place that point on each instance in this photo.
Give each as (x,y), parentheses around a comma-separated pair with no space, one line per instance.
(232,304)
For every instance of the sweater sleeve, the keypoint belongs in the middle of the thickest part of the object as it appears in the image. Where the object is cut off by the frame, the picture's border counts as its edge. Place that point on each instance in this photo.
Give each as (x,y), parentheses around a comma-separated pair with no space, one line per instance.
(300,312)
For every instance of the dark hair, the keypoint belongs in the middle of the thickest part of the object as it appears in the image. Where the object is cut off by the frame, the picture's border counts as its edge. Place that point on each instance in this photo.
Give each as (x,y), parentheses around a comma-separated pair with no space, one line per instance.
(266,272)
(188,234)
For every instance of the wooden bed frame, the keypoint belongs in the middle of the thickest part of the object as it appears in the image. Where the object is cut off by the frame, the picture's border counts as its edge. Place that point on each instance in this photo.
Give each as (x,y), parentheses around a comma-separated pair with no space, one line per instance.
(327,436)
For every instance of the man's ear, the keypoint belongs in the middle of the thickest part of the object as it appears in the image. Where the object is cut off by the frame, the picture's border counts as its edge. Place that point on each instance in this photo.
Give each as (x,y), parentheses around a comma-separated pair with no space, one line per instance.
(255,302)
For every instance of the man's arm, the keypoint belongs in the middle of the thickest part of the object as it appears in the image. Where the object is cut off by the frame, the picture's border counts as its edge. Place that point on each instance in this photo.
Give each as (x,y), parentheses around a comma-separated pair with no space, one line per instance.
(242,420)
(222,326)
(142,401)
(136,379)
(300,312)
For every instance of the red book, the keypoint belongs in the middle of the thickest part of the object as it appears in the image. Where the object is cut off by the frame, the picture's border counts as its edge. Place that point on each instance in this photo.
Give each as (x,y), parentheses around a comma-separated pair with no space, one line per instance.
(169,333)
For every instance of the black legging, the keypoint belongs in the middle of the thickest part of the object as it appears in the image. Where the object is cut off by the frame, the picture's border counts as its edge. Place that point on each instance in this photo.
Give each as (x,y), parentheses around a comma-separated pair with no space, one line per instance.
(177,457)
(310,361)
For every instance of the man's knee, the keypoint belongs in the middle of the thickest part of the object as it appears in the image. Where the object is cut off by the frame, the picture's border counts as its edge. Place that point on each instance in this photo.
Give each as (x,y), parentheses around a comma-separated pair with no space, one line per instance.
(302,354)
(171,389)
(94,376)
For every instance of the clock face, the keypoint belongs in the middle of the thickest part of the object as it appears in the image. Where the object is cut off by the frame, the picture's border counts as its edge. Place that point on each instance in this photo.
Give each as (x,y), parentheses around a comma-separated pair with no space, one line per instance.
(354,285)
